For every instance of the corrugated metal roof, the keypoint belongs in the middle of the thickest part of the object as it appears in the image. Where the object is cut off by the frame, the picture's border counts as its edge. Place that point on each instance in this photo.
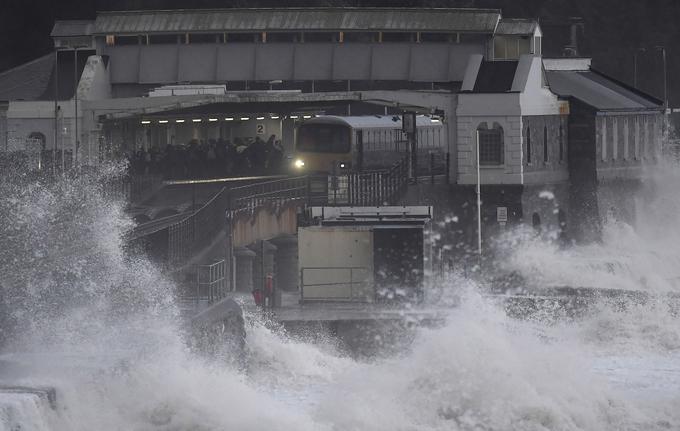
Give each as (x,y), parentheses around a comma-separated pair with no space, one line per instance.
(72,28)
(318,19)
(598,91)
(516,26)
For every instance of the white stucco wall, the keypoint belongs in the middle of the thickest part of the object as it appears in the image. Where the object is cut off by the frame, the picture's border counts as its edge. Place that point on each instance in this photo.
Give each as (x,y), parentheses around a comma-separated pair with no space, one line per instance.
(95,81)
(529,97)
(24,118)
(510,172)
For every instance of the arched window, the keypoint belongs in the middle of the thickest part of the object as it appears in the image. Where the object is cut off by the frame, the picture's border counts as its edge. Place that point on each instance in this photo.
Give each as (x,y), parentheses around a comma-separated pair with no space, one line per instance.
(491,151)
(561,143)
(545,144)
(528,146)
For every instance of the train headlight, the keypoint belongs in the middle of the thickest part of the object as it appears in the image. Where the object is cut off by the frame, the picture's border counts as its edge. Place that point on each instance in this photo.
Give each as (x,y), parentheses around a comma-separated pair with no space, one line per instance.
(299,163)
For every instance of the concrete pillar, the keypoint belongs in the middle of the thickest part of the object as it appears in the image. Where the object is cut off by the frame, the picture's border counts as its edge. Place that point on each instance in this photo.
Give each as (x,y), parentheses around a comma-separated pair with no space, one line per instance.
(244,269)
(286,275)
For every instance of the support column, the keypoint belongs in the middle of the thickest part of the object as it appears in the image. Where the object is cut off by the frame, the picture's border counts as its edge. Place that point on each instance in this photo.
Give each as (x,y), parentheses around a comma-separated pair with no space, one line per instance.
(263,263)
(244,269)
(286,263)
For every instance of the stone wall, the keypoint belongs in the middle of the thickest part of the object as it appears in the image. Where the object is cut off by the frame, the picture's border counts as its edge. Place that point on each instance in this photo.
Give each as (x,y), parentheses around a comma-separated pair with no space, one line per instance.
(510,172)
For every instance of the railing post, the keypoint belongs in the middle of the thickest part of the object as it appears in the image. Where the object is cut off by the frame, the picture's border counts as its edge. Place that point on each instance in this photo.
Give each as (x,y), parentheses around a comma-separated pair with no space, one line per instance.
(448,167)
(230,242)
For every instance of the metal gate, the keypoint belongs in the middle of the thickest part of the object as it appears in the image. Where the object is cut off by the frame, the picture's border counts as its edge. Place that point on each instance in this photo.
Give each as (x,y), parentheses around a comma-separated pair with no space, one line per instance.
(211,281)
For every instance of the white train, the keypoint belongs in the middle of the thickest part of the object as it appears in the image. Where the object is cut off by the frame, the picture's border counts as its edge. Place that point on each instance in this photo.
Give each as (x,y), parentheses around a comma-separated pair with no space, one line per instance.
(334,143)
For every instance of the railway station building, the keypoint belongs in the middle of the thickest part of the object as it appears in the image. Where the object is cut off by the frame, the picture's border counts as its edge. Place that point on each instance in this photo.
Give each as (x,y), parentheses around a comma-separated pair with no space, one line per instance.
(550,141)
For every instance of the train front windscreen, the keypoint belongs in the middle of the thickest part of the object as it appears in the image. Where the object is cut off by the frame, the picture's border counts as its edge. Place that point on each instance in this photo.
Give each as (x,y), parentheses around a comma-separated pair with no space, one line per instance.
(323,148)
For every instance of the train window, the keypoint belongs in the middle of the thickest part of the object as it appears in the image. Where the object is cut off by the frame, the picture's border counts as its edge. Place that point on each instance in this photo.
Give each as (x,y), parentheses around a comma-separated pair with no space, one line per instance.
(323,138)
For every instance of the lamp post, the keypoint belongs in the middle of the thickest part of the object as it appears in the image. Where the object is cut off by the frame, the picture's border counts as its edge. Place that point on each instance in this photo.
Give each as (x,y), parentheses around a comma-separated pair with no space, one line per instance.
(665,77)
(75,106)
(56,111)
(479,202)
(635,63)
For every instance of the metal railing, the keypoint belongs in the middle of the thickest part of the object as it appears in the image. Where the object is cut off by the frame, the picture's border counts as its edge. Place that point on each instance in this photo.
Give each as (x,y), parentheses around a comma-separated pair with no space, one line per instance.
(132,188)
(188,236)
(211,282)
(197,230)
(268,193)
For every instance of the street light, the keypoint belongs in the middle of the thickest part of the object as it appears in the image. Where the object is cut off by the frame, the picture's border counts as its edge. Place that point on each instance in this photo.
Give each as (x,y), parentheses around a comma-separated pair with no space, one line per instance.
(76,81)
(635,62)
(665,76)
(479,202)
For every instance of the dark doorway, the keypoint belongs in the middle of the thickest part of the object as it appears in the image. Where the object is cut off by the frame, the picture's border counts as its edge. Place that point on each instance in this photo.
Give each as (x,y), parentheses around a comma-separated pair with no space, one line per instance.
(398,263)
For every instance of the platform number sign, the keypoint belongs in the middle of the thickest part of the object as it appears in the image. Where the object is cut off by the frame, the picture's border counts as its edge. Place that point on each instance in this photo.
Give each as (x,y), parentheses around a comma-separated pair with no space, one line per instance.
(502,215)
(259,129)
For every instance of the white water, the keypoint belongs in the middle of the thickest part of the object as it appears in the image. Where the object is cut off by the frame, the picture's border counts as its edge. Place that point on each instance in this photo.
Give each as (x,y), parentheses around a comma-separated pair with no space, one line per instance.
(101,328)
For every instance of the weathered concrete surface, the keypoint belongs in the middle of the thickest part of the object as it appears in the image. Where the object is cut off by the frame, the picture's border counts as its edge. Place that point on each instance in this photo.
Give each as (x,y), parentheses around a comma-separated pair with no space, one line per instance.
(264,223)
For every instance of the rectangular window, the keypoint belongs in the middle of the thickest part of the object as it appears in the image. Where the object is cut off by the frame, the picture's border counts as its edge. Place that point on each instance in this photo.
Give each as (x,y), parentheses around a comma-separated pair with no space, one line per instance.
(244,37)
(323,138)
(537,45)
(499,48)
(524,45)
(283,37)
(513,48)
(398,37)
(127,40)
(205,38)
(321,37)
(490,147)
(437,37)
(164,38)
(361,36)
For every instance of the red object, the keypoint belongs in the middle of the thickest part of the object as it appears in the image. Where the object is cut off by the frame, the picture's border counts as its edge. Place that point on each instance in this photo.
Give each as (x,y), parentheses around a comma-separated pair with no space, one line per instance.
(258,297)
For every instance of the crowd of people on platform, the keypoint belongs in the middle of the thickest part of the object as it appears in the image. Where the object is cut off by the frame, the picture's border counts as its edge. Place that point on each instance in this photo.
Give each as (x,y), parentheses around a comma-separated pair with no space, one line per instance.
(211,159)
